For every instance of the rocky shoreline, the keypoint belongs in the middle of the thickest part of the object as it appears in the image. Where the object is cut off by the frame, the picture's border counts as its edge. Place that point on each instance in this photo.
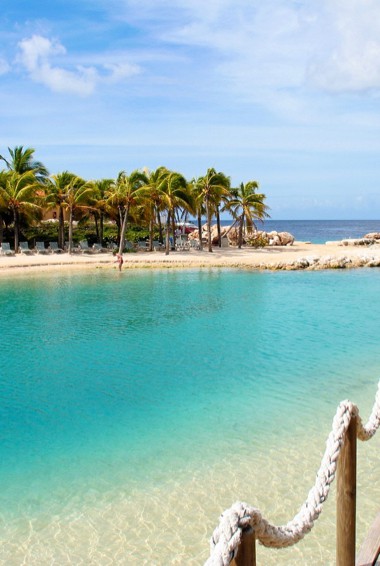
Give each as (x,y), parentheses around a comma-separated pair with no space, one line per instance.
(325,262)
(298,256)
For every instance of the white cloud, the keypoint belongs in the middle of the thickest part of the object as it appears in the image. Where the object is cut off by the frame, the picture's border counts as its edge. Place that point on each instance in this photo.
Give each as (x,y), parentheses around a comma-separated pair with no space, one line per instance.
(4,66)
(37,52)
(331,45)
(120,71)
(352,62)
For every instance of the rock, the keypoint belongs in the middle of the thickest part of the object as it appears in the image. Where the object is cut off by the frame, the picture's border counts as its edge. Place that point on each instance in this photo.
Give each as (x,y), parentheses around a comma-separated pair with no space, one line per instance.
(257,239)
(358,242)
(312,259)
(373,263)
(301,263)
(280,238)
(193,235)
(372,236)
(214,233)
(329,262)
(286,238)
(274,240)
(233,236)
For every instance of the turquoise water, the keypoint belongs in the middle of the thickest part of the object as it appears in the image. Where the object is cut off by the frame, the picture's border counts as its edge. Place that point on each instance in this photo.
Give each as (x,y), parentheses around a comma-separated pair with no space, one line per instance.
(133,404)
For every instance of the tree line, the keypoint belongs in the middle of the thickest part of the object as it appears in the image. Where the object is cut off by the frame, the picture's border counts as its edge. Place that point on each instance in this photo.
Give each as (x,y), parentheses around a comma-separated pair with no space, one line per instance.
(154,199)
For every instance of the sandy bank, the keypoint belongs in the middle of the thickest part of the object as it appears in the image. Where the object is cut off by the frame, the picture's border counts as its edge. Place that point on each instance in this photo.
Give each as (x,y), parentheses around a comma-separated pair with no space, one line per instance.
(299,256)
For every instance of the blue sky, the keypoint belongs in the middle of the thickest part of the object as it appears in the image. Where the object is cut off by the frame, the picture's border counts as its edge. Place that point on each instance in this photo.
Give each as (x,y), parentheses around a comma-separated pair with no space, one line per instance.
(284,92)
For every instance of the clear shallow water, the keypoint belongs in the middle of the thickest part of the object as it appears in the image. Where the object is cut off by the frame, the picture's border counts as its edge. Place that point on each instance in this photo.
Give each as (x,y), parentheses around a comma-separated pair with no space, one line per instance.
(135,407)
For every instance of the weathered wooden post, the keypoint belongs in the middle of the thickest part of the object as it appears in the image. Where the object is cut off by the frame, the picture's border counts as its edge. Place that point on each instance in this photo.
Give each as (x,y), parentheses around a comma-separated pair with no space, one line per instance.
(346,500)
(246,555)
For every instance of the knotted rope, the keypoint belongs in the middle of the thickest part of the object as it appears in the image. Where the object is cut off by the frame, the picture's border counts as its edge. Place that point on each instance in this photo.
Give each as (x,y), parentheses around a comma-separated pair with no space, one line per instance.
(242,517)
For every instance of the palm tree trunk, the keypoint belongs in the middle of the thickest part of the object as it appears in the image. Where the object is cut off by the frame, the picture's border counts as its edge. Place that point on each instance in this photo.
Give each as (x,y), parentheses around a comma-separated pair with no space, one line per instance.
(208,212)
(16,229)
(123,229)
(96,226)
(167,236)
(71,231)
(160,231)
(151,226)
(101,228)
(230,227)
(174,229)
(61,228)
(1,229)
(241,224)
(218,226)
(118,225)
(200,231)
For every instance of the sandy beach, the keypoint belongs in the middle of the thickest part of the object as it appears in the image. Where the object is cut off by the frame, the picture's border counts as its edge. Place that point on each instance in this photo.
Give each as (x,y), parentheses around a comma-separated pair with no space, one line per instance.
(301,255)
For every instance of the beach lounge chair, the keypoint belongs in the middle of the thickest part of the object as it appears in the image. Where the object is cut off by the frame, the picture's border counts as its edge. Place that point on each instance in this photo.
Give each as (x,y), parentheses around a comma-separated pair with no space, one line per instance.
(182,244)
(98,248)
(75,248)
(142,246)
(157,246)
(84,247)
(6,249)
(194,245)
(24,248)
(53,246)
(40,248)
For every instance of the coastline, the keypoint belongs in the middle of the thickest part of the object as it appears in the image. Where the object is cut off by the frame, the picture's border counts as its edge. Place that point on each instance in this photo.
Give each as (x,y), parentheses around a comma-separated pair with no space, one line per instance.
(300,256)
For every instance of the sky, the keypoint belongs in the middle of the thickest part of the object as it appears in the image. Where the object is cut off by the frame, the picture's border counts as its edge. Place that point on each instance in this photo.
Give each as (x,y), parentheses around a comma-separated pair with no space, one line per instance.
(284,92)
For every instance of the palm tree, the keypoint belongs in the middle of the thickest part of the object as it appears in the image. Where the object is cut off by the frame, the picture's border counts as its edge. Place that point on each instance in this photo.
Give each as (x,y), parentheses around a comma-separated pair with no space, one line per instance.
(3,203)
(19,194)
(176,195)
(100,189)
(154,194)
(22,160)
(247,206)
(77,198)
(211,188)
(199,209)
(124,194)
(155,188)
(56,191)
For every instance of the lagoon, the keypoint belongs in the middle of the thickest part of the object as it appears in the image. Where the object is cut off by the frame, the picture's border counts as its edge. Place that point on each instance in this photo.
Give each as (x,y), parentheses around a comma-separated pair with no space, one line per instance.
(137,406)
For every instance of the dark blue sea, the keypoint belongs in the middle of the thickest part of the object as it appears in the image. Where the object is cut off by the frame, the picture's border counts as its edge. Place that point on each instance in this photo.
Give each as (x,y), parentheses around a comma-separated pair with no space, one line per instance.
(320,231)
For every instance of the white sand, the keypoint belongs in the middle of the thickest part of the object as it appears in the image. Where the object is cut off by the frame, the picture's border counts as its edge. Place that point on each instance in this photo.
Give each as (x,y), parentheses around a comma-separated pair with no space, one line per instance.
(299,256)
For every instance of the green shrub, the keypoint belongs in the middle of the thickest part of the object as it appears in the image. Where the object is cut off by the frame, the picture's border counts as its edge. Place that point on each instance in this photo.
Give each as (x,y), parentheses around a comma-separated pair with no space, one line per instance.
(256,240)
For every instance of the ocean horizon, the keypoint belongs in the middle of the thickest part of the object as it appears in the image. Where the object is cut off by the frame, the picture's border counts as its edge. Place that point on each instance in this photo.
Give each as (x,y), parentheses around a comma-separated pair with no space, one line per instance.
(137,406)
(319,231)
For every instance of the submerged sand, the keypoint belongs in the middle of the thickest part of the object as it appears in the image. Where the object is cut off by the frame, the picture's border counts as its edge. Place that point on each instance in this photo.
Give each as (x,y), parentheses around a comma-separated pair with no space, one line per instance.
(175,525)
(301,255)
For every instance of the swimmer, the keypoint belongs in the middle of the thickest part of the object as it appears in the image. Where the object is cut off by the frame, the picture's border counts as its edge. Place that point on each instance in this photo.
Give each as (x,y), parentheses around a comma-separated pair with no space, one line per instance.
(119,260)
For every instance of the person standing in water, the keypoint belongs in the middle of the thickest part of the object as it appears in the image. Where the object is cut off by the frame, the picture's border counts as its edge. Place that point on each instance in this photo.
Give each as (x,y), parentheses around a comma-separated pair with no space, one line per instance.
(119,261)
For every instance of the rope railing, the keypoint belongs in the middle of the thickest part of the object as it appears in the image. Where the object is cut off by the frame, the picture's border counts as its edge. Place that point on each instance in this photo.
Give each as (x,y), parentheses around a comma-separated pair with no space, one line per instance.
(241,518)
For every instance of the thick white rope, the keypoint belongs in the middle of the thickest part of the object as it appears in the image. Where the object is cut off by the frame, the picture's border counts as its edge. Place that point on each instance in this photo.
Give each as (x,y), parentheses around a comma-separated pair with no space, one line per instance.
(241,516)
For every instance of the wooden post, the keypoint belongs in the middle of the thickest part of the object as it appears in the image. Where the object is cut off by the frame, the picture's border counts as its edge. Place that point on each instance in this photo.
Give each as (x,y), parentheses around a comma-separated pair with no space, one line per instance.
(370,549)
(346,500)
(246,555)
